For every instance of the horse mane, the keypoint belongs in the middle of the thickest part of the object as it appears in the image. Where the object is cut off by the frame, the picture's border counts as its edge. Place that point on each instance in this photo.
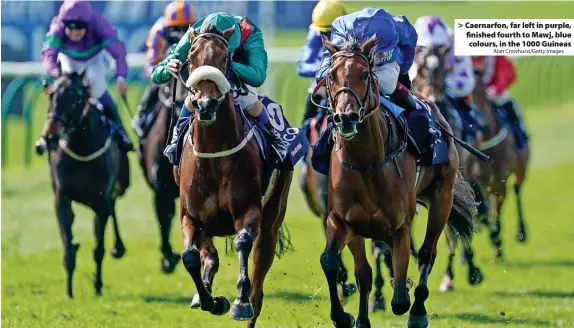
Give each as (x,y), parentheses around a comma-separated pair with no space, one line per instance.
(353,42)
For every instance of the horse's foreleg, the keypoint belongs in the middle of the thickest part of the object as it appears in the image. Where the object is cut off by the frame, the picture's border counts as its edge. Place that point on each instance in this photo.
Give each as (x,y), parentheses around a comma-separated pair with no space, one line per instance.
(364,276)
(521,234)
(65,221)
(335,232)
(118,250)
(482,199)
(210,259)
(446,285)
(401,245)
(164,211)
(100,221)
(495,231)
(243,243)
(475,276)
(378,302)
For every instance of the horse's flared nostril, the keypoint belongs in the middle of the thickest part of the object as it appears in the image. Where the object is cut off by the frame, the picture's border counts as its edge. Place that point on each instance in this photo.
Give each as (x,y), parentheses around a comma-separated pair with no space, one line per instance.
(337,119)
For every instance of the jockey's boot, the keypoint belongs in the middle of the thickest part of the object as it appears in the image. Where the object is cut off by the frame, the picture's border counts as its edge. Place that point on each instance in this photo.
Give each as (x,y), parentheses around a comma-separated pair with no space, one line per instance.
(148,101)
(404,98)
(111,112)
(276,142)
(171,149)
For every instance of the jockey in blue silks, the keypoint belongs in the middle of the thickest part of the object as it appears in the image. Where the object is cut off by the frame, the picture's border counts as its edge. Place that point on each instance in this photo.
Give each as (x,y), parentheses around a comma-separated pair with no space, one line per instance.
(394,52)
(324,13)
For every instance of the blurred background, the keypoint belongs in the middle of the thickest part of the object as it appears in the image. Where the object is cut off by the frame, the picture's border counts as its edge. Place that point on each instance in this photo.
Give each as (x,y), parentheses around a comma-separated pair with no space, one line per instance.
(31,246)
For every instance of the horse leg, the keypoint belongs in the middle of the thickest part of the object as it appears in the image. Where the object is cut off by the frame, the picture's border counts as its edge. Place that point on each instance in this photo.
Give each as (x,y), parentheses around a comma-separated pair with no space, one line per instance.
(446,285)
(65,221)
(521,234)
(414,252)
(164,211)
(475,276)
(378,302)
(335,232)
(191,259)
(364,276)
(482,200)
(243,243)
(100,221)
(495,232)
(118,250)
(401,252)
(210,259)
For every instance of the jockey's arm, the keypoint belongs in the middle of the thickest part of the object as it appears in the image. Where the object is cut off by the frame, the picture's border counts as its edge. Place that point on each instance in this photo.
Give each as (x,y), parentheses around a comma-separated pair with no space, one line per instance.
(310,58)
(254,72)
(160,73)
(114,46)
(51,48)
(154,43)
(407,41)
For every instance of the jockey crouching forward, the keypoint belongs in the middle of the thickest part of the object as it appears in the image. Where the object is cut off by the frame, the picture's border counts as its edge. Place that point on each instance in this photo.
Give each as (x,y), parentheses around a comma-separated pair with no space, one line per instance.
(165,32)
(324,13)
(251,69)
(77,38)
(433,32)
(393,56)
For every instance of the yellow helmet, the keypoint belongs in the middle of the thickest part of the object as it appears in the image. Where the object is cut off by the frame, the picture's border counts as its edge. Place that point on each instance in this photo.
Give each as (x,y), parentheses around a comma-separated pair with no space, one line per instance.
(325,12)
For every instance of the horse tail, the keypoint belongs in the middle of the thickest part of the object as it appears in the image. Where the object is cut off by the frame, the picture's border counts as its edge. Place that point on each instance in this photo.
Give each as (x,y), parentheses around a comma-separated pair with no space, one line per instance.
(463,209)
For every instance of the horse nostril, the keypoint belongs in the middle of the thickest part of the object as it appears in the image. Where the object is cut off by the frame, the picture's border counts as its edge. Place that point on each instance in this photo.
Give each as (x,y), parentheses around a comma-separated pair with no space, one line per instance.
(194,104)
(337,119)
(354,117)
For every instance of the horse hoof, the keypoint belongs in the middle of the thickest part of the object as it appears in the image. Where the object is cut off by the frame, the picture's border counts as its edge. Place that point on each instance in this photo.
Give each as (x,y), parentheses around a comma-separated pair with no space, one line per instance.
(350,321)
(377,304)
(499,258)
(401,308)
(446,285)
(221,306)
(521,236)
(475,276)
(363,323)
(195,304)
(118,251)
(241,311)
(169,263)
(418,321)
(98,292)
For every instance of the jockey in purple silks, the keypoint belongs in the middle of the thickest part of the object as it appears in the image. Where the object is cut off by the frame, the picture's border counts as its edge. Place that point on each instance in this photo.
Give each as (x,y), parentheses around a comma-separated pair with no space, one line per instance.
(77,37)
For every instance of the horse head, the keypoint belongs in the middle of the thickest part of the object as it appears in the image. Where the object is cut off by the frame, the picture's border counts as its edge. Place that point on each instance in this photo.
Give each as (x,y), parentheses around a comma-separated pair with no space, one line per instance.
(430,63)
(210,68)
(69,104)
(350,81)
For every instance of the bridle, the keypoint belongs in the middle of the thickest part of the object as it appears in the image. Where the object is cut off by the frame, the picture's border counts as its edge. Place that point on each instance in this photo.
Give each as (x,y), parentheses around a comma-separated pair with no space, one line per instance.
(68,127)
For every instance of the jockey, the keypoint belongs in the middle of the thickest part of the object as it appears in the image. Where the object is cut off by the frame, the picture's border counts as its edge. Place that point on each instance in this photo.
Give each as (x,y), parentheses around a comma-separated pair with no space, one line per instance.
(251,70)
(434,32)
(394,51)
(166,31)
(309,62)
(76,38)
(498,74)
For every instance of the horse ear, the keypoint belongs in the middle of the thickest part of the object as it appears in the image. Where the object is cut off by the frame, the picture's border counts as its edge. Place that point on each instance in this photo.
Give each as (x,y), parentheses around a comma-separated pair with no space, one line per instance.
(228,33)
(444,49)
(368,45)
(191,34)
(331,48)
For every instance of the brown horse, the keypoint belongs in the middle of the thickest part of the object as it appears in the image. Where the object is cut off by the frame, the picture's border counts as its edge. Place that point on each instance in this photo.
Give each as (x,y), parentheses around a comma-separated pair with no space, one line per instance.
(505,160)
(430,81)
(369,199)
(158,171)
(221,185)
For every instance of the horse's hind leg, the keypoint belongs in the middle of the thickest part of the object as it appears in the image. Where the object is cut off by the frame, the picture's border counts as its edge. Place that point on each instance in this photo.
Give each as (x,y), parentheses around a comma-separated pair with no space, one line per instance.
(329,262)
(65,221)
(164,211)
(191,259)
(100,221)
(482,207)
(520,176)
(118,250)
(378,302)
(475,276)
(364,276)
(210,259)
(243,243)
(495,232)
(446,285)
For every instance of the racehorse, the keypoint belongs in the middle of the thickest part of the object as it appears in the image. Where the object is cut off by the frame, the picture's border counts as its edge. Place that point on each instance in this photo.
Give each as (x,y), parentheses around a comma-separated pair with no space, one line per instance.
(220,180)
(430,82)
(369,199)
(158,171)
(86,166)
(505,160)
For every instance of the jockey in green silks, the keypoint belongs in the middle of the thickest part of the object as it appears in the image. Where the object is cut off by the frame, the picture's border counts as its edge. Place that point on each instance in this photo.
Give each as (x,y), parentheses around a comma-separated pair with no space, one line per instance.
(251,69)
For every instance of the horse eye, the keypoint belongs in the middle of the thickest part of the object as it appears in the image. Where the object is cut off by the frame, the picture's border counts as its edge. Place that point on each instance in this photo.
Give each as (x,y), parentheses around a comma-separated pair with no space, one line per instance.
(364,75)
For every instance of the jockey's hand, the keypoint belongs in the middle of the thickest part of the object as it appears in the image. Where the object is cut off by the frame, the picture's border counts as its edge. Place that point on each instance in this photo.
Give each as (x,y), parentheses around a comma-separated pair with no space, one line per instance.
(122,86)
(173,67)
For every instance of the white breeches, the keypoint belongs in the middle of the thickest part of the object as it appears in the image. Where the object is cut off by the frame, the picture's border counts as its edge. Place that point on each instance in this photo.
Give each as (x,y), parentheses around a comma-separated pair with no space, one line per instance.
(96,71)
(387,77)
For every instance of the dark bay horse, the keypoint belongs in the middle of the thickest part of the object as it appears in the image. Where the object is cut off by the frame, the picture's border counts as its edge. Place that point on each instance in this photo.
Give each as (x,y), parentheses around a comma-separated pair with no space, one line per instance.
(221,184)
(430,81)
(158,171)
(505,160)
(369,199)
(85,167)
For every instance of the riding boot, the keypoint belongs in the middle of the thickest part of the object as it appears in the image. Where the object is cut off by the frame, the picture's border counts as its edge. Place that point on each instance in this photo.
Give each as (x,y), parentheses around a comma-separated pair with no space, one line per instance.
(404,98)
(148,102)
(111,112)
(171,149)
(276,142)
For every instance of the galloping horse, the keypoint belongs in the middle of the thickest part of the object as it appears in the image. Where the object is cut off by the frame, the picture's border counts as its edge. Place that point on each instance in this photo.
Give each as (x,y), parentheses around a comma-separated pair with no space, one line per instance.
(430,81)
(505,160)
(86,166)
(158,171)
(221,184)
(369,199)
